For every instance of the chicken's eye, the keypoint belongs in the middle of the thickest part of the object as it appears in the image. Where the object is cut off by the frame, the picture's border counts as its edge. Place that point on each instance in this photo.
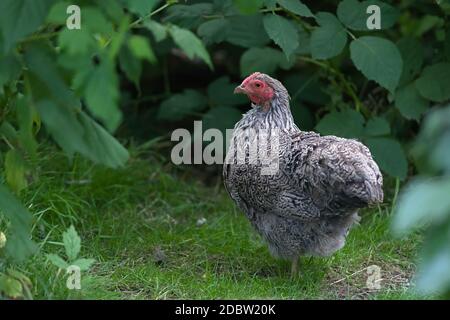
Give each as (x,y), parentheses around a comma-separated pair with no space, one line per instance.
(257,84)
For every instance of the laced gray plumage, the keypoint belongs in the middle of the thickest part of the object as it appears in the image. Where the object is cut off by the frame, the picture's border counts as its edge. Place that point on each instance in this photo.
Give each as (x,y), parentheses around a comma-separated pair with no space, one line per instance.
(309,204)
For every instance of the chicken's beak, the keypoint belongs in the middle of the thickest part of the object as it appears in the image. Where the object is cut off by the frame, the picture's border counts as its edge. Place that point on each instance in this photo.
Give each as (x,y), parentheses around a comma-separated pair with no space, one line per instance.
(239,89)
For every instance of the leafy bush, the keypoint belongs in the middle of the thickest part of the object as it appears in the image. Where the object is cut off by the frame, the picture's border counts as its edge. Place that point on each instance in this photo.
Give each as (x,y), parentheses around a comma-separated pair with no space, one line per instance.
(45,72)
(314,47)
(425,202)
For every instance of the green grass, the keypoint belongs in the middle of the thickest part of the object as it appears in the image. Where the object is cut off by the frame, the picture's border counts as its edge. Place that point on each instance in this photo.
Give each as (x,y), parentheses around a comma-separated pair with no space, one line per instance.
(140,224)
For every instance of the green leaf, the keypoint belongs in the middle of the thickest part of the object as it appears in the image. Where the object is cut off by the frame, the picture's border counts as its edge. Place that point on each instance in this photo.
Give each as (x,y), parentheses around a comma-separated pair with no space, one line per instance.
(432,276)
(76,132)
(19,276)
(270,4)
(426,23)
(432,143)
(15,170)
(8,131)
(222,118)
(141,7)
(131,67)
(282,32)
(72,243)
(214,31)
(422,201)
(389,155)
(220,92)
(378,59)
(100,87)
(159,31)
(307,88)
(57,13)
(19,245)
(188,16)
(377,127)
(348,124)
(246,31)
(434,82)
(190,44)
(181,105)
(302,116)
(10,69)
(329,39)
(248,6)
(95,21)
(27,118)
(112,8)
(10,287)
(117,38)
(304,38)
(61,111)
(100,145)
(353,14)
(265,60)
(57,261)
(63,125)
(46,77)
(409,102)
(447,43)
(84,264)
(75,41)
(19,18)
(140,47)
(441,154)
(296,7)
(92,21)
(445,5)
(412,55)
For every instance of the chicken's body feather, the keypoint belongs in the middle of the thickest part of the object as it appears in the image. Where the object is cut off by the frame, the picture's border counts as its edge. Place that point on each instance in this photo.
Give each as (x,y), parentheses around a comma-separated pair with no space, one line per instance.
(308,204)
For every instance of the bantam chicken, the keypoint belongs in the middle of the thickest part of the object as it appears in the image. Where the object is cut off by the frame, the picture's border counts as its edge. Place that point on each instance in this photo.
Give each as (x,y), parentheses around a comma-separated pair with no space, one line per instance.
(306,206)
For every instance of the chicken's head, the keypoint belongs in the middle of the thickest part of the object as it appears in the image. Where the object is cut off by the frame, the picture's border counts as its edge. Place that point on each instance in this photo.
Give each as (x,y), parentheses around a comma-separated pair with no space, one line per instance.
(257,88)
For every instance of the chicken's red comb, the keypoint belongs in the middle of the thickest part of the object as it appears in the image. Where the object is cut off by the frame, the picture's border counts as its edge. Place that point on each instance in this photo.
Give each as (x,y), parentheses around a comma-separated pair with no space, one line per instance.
(250,77)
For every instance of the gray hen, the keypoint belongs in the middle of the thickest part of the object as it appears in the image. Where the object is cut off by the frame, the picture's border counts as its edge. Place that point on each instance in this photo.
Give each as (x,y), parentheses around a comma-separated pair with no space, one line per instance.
(301,191)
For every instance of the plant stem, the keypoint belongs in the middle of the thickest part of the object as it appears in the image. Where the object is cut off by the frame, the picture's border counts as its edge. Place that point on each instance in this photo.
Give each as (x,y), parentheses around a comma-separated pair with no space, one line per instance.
(138,21)
(8,143)
(350,34)
(271,10)
(219,16)
(312,61)
(359,106)
(39,36)
(214,16)
(397,188)
(166,76)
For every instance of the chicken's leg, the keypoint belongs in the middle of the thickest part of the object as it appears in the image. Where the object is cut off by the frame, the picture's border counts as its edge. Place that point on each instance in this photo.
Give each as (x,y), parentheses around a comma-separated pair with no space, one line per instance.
(294,267)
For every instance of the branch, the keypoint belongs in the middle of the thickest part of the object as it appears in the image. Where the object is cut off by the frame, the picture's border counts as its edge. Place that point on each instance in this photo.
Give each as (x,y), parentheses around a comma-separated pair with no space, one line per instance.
(39,36)
(141,19)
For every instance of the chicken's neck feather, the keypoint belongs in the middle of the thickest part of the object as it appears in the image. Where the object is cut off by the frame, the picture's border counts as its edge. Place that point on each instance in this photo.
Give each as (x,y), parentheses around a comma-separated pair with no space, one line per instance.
(279,114)
(276,115)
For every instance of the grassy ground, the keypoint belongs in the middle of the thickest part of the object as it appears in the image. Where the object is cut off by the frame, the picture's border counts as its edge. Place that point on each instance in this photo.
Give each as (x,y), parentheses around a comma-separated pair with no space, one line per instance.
(141,224)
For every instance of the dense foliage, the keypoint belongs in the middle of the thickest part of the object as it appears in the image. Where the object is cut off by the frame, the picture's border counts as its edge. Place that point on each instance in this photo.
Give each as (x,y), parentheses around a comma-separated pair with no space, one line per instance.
(142,66)
(425,202)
